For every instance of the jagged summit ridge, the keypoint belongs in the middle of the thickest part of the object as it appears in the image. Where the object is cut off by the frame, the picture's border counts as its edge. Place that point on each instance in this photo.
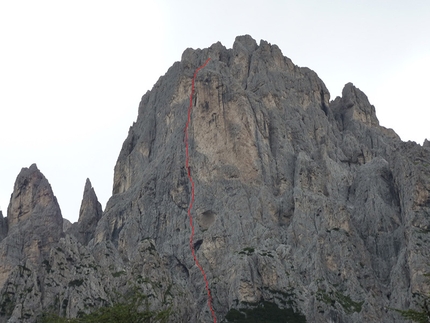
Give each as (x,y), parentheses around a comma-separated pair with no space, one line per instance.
(258,70)
(304,206)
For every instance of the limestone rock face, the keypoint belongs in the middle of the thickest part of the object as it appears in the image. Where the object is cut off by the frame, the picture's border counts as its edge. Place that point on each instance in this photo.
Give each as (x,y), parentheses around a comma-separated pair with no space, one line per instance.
(31,196)
(354,105)
(34,224)
(298,199)
(89,215)
(42,269)
(303,205)
(66,225)
(3,226)
(34,221)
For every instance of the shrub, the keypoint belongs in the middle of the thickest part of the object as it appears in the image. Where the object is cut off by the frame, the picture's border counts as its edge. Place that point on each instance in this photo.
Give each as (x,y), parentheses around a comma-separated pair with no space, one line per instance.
(126,311)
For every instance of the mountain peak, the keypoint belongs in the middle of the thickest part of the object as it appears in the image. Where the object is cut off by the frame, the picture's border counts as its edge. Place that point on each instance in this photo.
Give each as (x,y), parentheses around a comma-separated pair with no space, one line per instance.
(302,206)
(246,43)
(356,100)
(32,193)
(89,215)
(34,222)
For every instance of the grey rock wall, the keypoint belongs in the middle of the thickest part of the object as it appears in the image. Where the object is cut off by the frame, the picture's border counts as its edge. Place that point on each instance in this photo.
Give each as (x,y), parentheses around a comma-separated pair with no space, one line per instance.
(34,225)
(3,226)
(302,205)
(34,221)
(295,195)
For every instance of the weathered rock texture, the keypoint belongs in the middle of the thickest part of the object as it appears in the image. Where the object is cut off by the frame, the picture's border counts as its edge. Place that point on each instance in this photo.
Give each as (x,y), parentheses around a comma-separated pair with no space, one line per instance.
(34,224)
(89,215)
(34,221)
(3,226)
(42,269)
(302,204)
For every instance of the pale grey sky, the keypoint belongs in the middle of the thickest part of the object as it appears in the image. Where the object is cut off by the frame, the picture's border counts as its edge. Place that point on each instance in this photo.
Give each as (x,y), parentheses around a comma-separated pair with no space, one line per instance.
(72,72)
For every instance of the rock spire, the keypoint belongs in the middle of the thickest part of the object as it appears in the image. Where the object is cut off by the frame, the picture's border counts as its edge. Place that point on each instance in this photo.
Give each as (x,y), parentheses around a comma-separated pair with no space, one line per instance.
(89,215)
(34,222)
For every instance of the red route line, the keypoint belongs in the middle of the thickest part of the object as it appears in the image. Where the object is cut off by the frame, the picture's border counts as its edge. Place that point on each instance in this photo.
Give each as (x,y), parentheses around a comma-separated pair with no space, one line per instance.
(187,158)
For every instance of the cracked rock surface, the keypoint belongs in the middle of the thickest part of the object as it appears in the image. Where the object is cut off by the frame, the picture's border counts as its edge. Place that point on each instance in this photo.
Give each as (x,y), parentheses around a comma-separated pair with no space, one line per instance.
(301,203)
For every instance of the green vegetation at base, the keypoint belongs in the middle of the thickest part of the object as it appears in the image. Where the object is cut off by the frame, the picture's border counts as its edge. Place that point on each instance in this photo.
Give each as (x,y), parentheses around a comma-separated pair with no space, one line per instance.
(128,310)
(264,312)
(6,305)
(348,304)
(330,298)
(118,273)
(415,316)
(422,301)
(248,251)
(420,316)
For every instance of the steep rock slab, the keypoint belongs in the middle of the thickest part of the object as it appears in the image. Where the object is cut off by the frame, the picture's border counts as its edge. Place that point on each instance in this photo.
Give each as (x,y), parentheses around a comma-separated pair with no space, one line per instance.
(3,226)
(34,221)
(304,207)
(237,127)
(298,200)
(34,225)
(31,196)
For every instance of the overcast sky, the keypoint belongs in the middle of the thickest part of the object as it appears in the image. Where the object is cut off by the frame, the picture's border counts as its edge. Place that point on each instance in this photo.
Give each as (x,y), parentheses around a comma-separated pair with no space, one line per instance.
(72,72)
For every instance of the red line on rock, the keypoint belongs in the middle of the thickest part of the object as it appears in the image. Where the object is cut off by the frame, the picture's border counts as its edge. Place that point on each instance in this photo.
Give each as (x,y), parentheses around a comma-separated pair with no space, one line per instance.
(187,159)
